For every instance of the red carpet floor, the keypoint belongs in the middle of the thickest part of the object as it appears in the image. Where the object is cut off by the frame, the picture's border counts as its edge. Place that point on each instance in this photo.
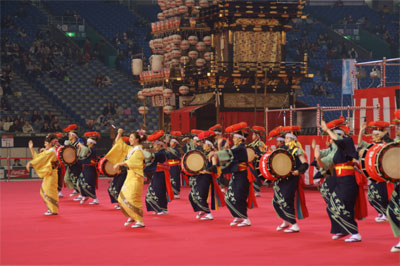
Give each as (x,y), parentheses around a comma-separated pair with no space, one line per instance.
(95,235)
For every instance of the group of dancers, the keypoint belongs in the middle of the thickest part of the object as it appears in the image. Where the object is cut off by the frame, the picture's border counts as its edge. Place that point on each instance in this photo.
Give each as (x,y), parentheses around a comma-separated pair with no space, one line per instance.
(227,178)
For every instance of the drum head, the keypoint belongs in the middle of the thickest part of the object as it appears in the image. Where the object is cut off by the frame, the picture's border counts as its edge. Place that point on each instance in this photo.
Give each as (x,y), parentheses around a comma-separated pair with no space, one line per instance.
(391,163)
(281,164)
(69,155)
(251,154)
(195,162)
(109,168)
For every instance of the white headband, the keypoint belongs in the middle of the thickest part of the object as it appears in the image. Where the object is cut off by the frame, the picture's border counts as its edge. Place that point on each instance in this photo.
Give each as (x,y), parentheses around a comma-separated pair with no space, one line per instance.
(73,134)
(91,141)
(239,136)
(217,132)
(376,132)
(338,131)
(290,135)
(196,138)
(209,143)
(280,139)
(174,140)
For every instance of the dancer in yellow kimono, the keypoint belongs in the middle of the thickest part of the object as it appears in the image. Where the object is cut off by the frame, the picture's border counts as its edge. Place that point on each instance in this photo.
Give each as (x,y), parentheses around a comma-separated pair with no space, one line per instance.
(45,165)
(132,157)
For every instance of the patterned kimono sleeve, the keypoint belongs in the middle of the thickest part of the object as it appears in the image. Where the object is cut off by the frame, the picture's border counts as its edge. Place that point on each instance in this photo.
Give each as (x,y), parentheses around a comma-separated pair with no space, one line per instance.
(136,162)
(327,156)
(363,145)
(225,158)
(118,152)
(84,153)
(42,163)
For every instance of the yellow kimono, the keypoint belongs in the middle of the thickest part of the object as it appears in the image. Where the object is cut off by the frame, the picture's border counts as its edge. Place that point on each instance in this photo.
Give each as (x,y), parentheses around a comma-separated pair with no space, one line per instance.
(130,197)
(44,165)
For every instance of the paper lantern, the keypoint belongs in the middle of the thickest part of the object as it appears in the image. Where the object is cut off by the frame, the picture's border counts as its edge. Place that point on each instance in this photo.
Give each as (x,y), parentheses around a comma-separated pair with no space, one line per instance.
(156,62)
(207,40)
(176,39)
(161,16)
(203,3)
(189,3)
(184,60)
(140,95)
(137,66)
(184,45)
(168,109)
(200,46)
(178,2)
(176,53)
(146,92)
(143,110)
(183,9)
(158,90)
(167,93)
(183,90)
(193,39)
(174,62)
(207,56)
(193,54)
(200,62)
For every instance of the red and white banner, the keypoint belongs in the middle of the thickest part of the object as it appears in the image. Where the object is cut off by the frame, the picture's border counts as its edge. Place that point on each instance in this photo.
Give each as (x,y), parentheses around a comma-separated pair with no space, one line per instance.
(385,97)
(18,173)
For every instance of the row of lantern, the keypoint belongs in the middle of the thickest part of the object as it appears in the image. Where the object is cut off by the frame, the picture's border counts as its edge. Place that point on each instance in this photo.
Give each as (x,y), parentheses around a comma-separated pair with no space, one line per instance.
(165,4)
(168,4)
(147,76)
(166,93)
(176,40)
(167,24)
(166,109)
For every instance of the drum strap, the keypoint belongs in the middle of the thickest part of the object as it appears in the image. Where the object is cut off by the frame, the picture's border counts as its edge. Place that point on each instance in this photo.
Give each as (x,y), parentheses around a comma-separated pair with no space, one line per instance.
(251,199)
(165,168)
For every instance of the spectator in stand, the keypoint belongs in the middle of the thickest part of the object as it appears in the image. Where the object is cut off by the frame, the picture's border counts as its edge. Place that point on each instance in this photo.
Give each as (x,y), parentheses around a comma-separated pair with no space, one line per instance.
(56,127)
(98,81)
(106,81)
(109,110)
(21,33)
(353,53)
(328,68)
(317,78)
(119,110)
(26,115)
(7,90)
(124,38)
(48,117)
(17,163)
(46,128)
(315,90)
(67,13)
(119,59)
(16,126)
(131,34)
(4,104)
(88,47)
(35,116)
(116,39)
(7,23)
(27,128)
(8,123)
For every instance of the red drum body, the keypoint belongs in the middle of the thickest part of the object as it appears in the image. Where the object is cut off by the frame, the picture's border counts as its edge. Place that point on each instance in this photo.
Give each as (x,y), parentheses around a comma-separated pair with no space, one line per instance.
(66,154)
(106,168)
(193,162)
(251,154)
(276,164)
(382,162)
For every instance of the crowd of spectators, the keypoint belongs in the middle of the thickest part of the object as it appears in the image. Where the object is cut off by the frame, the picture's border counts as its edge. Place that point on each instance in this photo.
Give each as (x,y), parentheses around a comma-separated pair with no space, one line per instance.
(30,122)
(111,112)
